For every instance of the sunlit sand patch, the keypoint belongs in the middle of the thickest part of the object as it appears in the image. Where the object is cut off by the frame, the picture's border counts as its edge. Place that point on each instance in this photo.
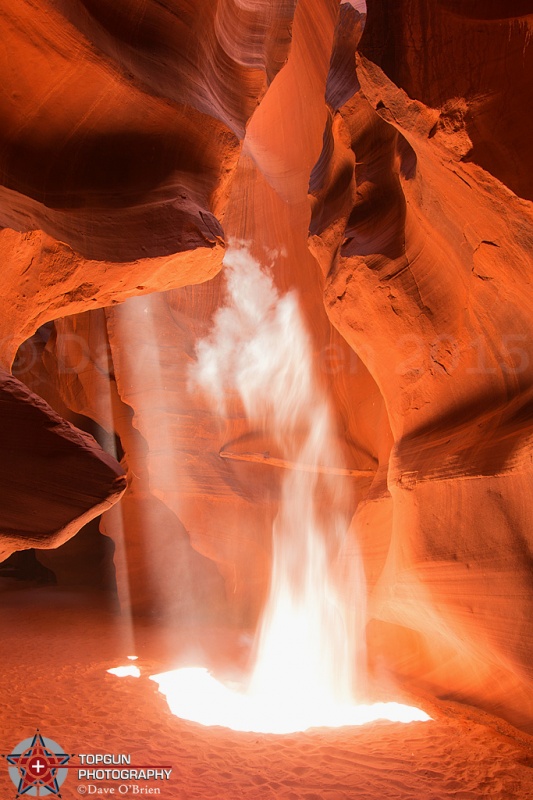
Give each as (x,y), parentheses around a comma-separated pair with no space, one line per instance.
(126,672)
(194,694)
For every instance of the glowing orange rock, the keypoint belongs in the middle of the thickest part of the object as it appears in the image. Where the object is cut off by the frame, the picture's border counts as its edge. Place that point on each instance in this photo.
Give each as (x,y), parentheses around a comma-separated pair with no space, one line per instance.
(412,177)
(54,478)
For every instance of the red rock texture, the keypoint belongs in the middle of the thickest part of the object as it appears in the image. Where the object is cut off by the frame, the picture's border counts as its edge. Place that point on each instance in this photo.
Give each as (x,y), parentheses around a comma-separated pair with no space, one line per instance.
(80,368)
(397,194)
(53,477)
(471,60)
(225,509)
(429,279)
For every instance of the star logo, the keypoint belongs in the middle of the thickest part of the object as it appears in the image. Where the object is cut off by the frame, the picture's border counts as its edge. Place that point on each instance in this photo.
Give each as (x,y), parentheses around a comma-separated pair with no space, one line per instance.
(35,767)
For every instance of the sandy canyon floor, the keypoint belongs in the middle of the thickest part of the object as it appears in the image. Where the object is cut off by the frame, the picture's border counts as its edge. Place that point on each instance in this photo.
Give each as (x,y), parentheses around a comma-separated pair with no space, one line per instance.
(58,645)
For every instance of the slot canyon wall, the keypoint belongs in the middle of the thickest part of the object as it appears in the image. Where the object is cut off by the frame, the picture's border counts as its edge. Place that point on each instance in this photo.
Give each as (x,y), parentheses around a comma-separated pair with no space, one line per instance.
(379,163)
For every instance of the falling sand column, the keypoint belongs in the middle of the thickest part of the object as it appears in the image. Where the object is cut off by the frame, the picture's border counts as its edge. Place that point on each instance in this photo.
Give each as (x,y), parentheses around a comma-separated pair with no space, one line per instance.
(312,633)
(264,346)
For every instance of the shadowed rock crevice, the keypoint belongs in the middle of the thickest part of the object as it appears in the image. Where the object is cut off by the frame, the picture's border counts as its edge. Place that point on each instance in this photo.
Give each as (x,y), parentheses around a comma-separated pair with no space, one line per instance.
(389,189)
(54,477)
(496,89)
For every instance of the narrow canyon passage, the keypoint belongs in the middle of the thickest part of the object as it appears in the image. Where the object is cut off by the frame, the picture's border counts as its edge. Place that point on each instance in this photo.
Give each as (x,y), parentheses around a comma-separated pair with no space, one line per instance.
(266,394)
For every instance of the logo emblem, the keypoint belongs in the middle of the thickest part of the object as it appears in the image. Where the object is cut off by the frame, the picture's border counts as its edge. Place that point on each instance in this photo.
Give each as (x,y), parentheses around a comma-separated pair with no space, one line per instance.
(35,767)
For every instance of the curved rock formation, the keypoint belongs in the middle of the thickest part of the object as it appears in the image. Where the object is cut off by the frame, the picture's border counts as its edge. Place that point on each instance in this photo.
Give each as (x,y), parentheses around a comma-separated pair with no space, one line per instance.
(171,438)
(90,154)
(120,130)
(395,197)
(53,478)
(470,60)
(430,258)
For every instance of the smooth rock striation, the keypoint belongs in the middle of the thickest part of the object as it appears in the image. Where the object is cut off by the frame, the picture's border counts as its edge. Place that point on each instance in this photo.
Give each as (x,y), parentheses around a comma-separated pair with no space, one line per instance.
(393,192)
(53,478)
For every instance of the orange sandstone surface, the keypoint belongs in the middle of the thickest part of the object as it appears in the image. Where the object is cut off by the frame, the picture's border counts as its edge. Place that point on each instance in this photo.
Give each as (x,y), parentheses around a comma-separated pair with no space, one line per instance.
(380,165)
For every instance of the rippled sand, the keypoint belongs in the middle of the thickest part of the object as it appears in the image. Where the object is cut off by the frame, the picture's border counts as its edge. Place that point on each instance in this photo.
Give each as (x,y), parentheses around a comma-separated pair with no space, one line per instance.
(57,647)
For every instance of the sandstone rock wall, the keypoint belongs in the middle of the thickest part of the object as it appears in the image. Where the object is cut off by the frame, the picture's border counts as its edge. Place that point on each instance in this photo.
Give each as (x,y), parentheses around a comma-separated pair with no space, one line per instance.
(393,192)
